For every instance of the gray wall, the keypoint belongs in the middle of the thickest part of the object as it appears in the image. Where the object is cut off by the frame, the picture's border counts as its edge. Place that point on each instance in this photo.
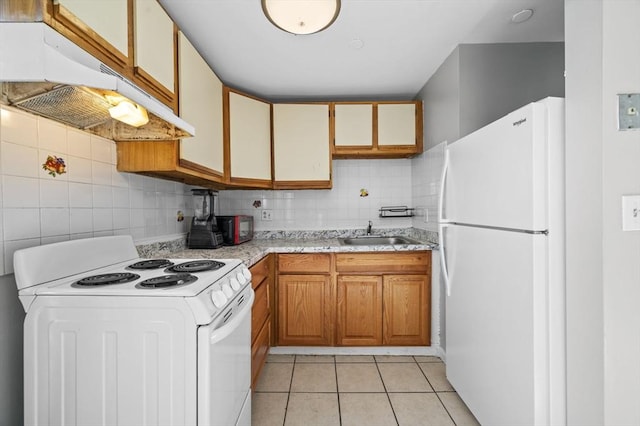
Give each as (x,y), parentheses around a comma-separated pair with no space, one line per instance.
(603,271)
(11,319)
(479,83)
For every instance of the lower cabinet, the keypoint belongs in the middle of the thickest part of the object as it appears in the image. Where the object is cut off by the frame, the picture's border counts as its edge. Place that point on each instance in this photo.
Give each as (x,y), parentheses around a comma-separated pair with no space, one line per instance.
(405,309)
(359,320)
(379,299)
(261,323)
(305,308)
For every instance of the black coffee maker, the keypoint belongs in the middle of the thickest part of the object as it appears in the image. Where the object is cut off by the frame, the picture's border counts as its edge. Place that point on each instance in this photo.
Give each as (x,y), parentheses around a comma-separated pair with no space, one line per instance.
(204,232)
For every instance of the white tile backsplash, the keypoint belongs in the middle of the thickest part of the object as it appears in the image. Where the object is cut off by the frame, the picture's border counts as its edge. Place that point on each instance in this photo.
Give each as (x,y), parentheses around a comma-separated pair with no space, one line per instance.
(388,182)
(52,137)
(79,143)
(91,199)
(20,192)
(78,169)
(19,127)
(21,224)
(54,222)
(80,195)
(101,149)
(54,193)
(20,160)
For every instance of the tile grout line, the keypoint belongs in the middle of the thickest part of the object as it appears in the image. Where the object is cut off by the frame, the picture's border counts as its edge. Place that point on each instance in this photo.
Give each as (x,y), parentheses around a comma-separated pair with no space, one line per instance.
(385,391)
(286,407)
(436,392)
(335,370)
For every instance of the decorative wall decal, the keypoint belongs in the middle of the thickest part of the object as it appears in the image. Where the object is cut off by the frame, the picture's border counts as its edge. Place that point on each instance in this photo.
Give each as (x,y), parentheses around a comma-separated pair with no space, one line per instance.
(180,216)
(364,192)
(54,165)
(257,203)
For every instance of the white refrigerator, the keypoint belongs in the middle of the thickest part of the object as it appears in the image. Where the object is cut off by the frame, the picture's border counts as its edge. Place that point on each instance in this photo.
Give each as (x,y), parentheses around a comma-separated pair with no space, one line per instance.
(502,254)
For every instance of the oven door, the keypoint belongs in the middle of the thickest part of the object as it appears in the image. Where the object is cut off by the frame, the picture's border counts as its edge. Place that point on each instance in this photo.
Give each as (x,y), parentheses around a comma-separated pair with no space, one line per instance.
(224,364)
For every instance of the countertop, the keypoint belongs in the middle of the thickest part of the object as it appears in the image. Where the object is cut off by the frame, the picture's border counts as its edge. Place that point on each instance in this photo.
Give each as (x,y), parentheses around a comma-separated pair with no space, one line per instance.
(252,251)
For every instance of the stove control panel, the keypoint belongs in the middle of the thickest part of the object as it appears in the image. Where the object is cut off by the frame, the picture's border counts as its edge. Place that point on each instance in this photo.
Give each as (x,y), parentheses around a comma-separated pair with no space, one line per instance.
(224,290)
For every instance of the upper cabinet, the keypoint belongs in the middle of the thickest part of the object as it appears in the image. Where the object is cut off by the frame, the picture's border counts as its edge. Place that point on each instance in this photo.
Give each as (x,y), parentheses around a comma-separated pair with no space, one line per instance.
(135,38)
(376,129)
(154,48)
(301,150)
(200,105)
(248,135)
(99,26)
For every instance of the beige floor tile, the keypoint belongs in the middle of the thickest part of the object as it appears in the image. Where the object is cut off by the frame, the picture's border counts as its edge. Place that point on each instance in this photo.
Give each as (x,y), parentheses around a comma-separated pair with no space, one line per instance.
(280,358)
(403,378)
(312,409)
(457,409)
(314,378)
(436,375)
(370,409)
(426,358)
(354,358)
(359,378)
(394,358)
(275,377)
(268,408)
(419,409)
(315,358)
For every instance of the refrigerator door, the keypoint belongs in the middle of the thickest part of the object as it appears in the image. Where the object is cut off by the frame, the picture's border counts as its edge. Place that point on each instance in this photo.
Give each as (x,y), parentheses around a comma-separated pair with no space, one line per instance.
(497,324)
(498,175)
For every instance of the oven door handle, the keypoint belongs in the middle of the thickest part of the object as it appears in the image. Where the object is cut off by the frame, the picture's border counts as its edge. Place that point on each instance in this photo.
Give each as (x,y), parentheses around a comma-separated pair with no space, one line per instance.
(221,333)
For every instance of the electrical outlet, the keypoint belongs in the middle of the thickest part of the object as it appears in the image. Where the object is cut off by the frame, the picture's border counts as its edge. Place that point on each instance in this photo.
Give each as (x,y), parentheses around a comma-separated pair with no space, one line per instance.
(266,214)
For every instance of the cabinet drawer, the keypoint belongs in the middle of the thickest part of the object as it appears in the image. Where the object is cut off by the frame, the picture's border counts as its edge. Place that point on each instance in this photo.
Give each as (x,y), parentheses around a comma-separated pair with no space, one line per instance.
(410,261)
(260,271)
(260,309)
(304,263)
(259,352)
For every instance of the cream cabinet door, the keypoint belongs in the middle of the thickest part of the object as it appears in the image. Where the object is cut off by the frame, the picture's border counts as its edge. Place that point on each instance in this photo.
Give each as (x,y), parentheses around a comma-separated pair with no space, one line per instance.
(108,18)
(301,143)
(154,42)
(200,105)
(396,124)
(249,137)
(353,125)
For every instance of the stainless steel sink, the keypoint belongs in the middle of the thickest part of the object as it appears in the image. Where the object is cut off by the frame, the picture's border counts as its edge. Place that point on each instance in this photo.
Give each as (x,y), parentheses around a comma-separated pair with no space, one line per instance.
(376,240)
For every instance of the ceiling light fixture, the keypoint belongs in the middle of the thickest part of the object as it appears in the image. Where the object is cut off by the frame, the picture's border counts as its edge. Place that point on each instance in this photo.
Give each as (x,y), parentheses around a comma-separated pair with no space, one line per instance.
(301,16)
(129,113)
(523,15)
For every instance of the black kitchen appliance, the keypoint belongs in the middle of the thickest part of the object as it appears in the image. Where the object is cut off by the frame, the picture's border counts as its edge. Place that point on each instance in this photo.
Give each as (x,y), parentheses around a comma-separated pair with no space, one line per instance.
(204,232)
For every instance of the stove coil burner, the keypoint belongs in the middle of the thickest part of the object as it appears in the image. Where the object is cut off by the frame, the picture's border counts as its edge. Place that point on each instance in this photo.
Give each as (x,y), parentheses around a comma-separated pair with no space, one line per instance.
(106,279)
(196,266)
(164,281)
(151,264)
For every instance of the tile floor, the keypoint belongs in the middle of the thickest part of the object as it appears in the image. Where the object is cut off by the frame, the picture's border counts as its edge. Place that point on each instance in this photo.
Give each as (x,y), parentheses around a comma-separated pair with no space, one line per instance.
(326,390)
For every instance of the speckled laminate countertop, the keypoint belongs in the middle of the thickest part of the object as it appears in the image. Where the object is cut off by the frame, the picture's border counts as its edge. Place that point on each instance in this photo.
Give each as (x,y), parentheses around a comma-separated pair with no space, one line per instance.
(251,252)
(326,241)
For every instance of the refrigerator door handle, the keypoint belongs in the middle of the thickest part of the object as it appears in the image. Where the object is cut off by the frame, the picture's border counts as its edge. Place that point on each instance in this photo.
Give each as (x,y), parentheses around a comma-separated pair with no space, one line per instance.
(443,257)
(443,178)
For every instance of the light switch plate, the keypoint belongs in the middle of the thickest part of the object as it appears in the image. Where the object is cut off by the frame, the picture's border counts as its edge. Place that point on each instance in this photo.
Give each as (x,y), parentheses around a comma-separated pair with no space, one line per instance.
(631,212)
(629,111)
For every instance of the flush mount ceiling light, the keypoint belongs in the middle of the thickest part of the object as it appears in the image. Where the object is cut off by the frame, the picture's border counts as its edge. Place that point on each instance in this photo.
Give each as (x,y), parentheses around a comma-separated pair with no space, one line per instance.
(523,15)
(301,16)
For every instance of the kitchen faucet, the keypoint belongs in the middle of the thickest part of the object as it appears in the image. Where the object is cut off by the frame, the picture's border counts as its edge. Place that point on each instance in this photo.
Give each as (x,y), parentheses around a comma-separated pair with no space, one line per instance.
(369,228)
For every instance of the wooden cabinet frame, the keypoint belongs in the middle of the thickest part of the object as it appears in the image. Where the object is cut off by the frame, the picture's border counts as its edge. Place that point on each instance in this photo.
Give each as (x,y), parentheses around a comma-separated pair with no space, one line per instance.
(67,24)
(388,293)
(376,150)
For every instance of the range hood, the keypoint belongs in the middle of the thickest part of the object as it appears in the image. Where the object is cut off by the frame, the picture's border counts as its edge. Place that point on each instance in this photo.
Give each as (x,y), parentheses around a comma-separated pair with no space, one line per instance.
(46,74)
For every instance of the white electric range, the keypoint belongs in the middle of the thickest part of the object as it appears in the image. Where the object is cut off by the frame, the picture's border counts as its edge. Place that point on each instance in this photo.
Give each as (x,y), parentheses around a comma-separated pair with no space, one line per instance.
(114,339)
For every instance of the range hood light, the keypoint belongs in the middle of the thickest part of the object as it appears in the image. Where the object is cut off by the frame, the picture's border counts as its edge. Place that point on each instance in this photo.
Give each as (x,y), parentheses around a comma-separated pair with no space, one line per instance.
(301,16)
(128,113)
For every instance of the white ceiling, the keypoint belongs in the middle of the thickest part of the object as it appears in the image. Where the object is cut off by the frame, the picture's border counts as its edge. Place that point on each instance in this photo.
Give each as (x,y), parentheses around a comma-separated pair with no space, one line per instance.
(403,43)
